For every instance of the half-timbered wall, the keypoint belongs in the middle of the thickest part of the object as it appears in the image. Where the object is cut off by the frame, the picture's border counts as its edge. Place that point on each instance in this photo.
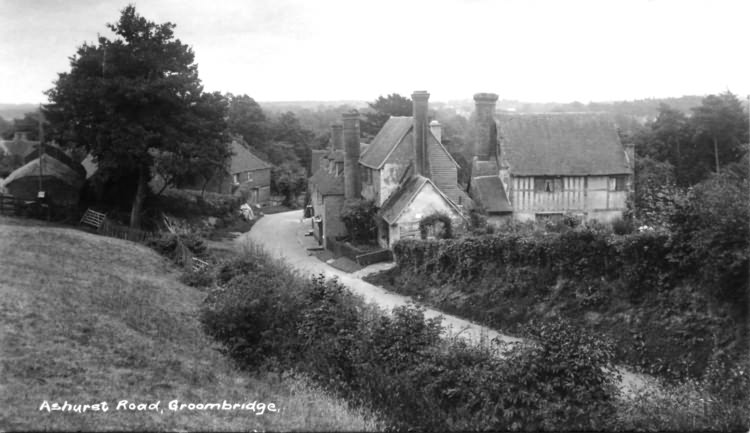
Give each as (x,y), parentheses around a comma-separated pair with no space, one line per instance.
(594,196)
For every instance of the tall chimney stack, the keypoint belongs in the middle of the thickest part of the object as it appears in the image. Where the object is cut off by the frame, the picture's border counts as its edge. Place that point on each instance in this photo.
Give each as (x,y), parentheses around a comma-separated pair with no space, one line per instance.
(486,139)
(421,161)
(352,180)
(337,136)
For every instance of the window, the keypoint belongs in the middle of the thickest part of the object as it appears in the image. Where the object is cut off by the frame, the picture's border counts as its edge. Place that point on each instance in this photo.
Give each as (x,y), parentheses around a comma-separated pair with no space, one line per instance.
(547,184)
(621,183)
(236,178)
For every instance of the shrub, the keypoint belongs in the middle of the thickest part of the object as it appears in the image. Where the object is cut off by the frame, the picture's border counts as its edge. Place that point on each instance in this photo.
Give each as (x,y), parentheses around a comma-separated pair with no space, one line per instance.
(432,221)
(622,226)
(198,278)
(359,218)
(397,365)
(565,378)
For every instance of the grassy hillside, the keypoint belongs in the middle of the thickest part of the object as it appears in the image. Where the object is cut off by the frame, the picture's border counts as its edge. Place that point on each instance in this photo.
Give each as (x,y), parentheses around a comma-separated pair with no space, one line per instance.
(87,319)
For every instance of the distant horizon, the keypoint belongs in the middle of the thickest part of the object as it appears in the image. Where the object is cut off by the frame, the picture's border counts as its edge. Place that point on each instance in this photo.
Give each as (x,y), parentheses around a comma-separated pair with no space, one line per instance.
(469,98)
(330,50)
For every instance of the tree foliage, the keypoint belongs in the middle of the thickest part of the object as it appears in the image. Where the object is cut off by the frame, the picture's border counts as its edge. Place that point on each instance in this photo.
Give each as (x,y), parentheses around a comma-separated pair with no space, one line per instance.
(247,119)
(383,108)
(289,180)
(359,218)
(440,223)
(131,99)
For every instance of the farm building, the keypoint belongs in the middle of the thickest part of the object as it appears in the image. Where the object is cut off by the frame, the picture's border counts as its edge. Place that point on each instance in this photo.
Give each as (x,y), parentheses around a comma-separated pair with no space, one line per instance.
(60,180)
(537,166)
(247,176)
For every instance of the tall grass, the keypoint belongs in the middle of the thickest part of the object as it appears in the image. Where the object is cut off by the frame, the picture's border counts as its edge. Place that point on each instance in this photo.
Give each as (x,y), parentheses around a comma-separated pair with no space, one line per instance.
(87,319)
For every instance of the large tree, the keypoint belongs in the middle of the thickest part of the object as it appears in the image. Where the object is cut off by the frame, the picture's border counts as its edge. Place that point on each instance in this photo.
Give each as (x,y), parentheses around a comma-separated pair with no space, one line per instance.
(721,125)
(247,119)
(383,108)
(136,98)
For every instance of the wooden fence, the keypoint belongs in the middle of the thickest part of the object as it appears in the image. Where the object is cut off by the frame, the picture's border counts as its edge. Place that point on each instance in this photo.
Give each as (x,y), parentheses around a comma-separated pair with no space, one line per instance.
(109,228)
(9,205)
(93,218)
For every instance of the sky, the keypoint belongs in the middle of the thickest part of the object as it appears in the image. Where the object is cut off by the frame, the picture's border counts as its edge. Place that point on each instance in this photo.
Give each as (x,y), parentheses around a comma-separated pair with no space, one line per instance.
(328,50)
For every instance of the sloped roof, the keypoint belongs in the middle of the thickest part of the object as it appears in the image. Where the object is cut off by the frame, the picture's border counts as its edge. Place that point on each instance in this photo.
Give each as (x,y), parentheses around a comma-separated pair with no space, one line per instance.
(403,196)
(327,183)
(556,144)
(490,194)
(388,137)
(400,199)
(244,160)
(51,167)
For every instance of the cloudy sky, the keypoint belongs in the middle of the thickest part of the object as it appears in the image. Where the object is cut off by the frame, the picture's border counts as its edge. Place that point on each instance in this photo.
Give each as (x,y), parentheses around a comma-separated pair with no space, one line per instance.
(294,50)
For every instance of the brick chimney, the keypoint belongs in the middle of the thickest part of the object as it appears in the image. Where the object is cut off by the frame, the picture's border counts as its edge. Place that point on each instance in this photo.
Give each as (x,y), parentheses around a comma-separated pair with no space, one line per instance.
(421,160)
(352,180)
(485,127)
(337,136)
(437,130)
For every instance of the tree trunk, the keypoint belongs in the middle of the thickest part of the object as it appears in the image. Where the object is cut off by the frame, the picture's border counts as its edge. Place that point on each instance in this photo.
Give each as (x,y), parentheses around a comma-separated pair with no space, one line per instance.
(140,195)
(716,154)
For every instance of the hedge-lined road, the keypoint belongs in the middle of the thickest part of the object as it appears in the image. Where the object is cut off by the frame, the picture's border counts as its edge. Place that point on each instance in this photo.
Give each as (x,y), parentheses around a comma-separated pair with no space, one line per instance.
(282,235)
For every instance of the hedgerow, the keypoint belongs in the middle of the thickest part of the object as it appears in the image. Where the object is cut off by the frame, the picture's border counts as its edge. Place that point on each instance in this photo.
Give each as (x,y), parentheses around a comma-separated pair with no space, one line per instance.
(662,298)
(398,365)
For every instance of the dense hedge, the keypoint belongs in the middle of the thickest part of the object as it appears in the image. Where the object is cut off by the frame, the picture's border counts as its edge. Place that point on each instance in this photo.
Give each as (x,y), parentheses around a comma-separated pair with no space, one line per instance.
(398,366)
(645,289)
(642,260)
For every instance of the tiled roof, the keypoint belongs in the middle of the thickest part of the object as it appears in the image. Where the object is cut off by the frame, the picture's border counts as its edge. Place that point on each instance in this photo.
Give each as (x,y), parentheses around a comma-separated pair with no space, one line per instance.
(403,196)
(400,199)
(490,194)
(388,137)
(327,183)
(243,160)
(559,144)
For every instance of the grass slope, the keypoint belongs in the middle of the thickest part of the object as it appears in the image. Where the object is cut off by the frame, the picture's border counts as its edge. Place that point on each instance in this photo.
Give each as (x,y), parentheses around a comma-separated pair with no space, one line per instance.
(87,319)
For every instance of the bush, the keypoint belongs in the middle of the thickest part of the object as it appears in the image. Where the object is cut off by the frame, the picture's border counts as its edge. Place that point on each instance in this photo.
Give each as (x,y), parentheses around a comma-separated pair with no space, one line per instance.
(171,245)
(432,221)
(564,378)
(198,278)
(359,218)
(397,365)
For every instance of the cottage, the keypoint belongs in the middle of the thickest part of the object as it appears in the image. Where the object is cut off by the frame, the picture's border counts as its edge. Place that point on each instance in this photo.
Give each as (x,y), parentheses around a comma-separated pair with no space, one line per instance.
(247,176)
(537,166)
(409,174)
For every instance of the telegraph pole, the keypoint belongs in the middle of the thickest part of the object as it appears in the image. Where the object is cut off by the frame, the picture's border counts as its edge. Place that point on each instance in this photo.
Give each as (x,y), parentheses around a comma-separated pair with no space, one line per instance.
(41,147)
